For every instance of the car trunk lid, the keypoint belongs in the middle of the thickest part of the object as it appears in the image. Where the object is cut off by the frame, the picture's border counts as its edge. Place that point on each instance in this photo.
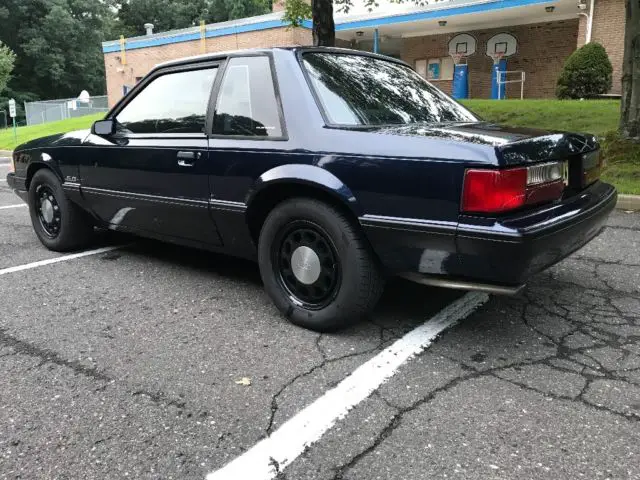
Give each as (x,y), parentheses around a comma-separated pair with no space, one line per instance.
(580,154)
(519,147)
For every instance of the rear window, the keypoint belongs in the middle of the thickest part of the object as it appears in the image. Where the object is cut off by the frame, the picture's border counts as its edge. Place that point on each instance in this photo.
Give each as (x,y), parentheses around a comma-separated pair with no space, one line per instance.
(364,90)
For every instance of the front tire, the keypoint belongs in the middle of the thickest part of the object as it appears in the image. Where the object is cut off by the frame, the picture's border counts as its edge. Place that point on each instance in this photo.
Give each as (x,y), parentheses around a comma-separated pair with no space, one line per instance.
(316,265)
(60,224)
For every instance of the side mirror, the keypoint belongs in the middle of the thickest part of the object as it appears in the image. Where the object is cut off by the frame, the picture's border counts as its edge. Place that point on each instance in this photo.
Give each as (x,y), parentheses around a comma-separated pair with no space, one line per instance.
(104,128)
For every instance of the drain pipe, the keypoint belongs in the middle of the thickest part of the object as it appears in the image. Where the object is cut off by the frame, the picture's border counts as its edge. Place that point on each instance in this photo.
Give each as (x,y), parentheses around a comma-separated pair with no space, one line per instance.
(590,24)
(589,17)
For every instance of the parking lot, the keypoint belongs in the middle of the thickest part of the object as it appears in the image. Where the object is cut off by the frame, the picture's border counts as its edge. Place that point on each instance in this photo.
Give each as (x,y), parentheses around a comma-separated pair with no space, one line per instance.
(143,360)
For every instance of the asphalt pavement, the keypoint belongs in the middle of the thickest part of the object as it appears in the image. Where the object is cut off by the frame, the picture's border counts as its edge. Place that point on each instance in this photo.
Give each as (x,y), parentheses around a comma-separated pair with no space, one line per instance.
(152,361)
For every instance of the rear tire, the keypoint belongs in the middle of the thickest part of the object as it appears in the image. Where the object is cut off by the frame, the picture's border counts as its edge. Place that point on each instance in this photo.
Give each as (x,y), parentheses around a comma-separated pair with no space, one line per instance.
(316,265)
(60,224)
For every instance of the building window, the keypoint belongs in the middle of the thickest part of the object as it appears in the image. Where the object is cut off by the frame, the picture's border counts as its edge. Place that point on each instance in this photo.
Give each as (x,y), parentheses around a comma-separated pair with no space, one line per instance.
(435,69)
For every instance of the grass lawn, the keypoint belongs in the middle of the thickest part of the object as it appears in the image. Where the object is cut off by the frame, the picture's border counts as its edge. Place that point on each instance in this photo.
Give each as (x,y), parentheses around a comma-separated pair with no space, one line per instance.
(35,131)
(599,117)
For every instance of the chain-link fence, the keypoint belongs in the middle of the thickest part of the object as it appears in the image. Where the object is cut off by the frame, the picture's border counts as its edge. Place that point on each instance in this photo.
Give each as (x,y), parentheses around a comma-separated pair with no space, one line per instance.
(61,109)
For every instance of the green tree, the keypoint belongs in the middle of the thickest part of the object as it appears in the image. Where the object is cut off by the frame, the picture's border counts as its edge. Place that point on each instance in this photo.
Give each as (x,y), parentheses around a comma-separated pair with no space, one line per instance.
(171,14)
(7,59)
(163,14)
(57,43)
(239,8)
(586,73)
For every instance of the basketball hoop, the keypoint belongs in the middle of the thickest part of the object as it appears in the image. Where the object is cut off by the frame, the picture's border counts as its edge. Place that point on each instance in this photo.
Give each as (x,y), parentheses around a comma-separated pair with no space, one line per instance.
(457,58)
(497,56)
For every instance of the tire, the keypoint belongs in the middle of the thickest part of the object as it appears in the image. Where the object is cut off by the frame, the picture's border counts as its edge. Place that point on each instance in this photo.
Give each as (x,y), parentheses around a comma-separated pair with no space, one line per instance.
(70,227)
(329,298)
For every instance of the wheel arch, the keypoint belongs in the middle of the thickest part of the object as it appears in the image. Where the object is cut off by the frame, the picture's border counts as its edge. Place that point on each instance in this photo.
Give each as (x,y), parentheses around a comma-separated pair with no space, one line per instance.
(44,160)
(289,181)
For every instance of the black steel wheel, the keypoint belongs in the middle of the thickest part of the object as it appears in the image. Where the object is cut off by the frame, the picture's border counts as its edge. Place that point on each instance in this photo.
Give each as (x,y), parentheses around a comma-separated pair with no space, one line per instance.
(60,224)
(48,209)
(317,266)
(307,264)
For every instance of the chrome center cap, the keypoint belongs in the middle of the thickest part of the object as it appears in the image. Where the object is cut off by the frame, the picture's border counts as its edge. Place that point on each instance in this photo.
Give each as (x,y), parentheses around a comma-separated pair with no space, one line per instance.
(47,211)
(305,264)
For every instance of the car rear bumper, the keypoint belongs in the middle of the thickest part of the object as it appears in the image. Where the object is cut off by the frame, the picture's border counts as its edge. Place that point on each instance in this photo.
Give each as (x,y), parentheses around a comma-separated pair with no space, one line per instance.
(504,252)
(17,184)
(512,250)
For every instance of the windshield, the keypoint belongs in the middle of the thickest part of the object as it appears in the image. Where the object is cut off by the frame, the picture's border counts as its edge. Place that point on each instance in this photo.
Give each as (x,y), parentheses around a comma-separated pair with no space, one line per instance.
(363,90)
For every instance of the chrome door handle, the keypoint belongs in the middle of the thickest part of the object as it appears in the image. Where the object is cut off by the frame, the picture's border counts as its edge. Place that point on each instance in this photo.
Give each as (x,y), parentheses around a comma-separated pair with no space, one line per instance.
(187,159)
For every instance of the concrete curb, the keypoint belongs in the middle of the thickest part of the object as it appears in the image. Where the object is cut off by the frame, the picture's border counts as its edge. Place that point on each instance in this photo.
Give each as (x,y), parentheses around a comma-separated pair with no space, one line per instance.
(628,202)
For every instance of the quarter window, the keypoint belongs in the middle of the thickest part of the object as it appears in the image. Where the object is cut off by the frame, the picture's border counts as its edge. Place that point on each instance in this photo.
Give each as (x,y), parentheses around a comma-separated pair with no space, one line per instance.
(247,104)
(173,103)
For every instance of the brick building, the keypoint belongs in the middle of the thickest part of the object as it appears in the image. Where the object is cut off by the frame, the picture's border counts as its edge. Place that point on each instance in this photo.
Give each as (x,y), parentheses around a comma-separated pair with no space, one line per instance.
(544,33)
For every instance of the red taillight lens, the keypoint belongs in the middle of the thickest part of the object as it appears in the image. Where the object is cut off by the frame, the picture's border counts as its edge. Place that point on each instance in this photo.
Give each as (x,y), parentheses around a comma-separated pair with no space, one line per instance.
(492,191)
(496,191)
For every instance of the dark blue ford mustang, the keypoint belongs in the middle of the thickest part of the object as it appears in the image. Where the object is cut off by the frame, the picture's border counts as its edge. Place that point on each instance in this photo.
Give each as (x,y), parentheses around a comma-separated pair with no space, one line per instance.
(333,168)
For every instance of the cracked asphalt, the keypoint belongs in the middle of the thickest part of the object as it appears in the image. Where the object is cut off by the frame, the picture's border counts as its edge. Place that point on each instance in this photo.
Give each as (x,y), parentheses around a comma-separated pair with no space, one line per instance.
(124,364)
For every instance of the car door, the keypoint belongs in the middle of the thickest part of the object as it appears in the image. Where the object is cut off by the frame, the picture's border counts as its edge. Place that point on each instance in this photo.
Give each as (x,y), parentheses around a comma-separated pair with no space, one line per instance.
(248,138)
(151,176)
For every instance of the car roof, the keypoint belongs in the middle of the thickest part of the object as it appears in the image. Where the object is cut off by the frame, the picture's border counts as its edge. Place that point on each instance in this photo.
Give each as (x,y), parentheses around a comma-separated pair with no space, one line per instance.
(252,51)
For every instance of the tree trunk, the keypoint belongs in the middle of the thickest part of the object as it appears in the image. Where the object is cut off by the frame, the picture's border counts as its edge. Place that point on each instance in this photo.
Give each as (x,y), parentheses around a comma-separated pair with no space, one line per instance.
(324,29)
(630,105)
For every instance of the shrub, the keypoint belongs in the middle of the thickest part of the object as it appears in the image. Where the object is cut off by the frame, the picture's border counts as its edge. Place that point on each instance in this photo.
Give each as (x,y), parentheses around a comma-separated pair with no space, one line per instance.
(586,73)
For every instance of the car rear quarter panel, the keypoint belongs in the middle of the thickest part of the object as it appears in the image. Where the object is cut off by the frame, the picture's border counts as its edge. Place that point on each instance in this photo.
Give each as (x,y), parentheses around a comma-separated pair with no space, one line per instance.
(389,175)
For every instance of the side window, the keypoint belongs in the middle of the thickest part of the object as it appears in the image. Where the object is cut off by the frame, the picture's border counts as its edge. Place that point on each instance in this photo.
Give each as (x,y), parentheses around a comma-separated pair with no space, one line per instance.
(247,102)
(172,103)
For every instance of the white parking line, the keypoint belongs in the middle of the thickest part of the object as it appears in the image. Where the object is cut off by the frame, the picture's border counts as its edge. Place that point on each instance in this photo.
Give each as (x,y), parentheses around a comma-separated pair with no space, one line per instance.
(306,427)
(64,258)
(13,206)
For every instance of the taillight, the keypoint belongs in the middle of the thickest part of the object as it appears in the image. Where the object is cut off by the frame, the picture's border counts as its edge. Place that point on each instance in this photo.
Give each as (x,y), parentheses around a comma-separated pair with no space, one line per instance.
(496,191)
(12,164)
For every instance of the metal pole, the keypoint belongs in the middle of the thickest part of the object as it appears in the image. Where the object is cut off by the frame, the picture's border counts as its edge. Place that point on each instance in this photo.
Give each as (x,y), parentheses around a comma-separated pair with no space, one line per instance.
(203,33)
(376,41)
(15,132)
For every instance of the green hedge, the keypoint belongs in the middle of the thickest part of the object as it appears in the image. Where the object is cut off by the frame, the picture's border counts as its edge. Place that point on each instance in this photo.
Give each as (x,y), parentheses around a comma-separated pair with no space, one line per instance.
(586,73)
